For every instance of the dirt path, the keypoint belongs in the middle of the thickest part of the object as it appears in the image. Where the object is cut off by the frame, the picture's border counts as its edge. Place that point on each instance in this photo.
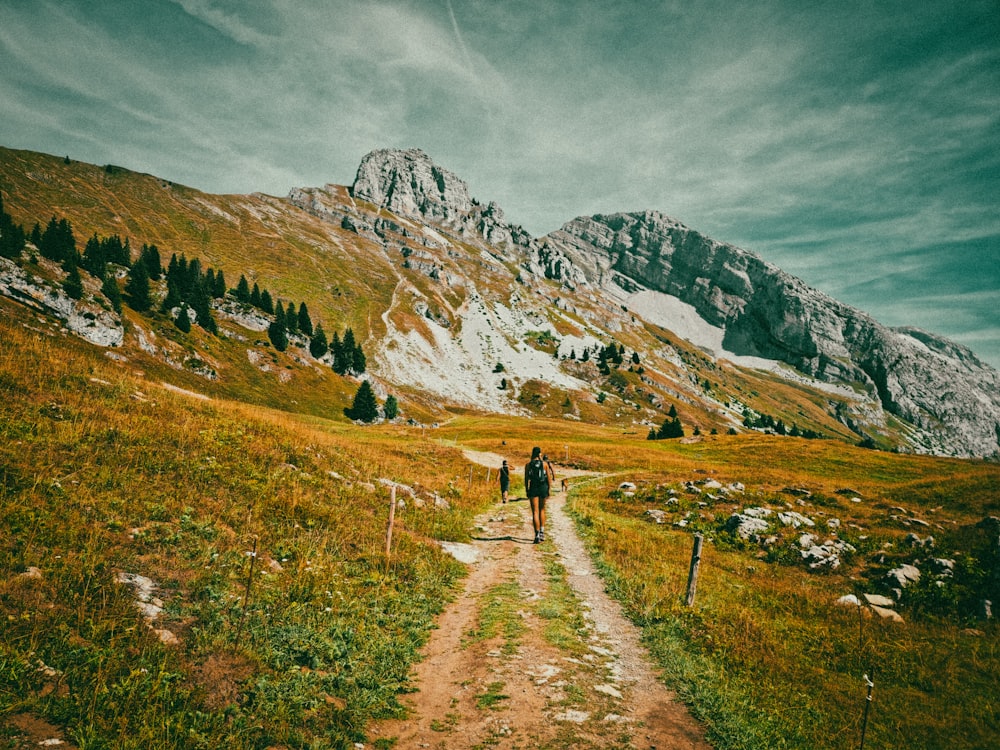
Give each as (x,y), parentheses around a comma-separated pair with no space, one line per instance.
(534,654)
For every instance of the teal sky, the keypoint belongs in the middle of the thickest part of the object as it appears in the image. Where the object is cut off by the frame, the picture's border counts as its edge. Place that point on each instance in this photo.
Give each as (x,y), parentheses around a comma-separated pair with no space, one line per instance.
(855,144)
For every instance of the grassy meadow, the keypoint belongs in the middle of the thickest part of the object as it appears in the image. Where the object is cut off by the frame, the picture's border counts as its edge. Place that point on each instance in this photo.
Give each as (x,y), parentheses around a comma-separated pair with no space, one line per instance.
(105,472)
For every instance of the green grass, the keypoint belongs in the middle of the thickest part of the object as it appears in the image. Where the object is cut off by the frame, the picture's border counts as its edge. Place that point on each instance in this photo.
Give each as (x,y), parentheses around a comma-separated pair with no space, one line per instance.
(765,659)
(97,480)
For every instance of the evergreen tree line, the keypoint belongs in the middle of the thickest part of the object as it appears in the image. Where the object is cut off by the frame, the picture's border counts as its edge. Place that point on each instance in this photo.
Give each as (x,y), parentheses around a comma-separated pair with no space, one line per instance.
(189,287)
(777,426)
(671,427)
(12,235)
(365,405)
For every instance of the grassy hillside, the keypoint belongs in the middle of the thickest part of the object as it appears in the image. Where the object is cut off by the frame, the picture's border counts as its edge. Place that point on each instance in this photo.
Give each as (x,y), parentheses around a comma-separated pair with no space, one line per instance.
(105,473)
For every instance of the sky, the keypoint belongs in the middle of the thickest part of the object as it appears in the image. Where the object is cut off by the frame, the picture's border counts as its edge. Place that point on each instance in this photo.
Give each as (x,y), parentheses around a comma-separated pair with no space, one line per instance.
(854,144)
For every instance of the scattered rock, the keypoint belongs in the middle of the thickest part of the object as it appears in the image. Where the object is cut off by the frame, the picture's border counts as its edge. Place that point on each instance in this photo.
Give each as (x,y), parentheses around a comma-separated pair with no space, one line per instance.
(747,526)
(795,519)
(904,575)
(848,600)
(877,600)
(657,515)
(887,614)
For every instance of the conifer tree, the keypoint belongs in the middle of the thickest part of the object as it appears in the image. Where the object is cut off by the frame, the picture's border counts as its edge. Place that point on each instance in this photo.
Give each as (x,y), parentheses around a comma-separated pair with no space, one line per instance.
(242,292)
(149,256)
(219,289)
(11,235)
(183,320)
(137,289)
(255,295)
(94,260)
(266,304)
(57,242)
(337,350)
(359,362)
(391,407)
(201,303)
(291,319)
(318,345)
(305,322)
(36,236)
(73,284)
(109,288)
(365,407)
(276,331)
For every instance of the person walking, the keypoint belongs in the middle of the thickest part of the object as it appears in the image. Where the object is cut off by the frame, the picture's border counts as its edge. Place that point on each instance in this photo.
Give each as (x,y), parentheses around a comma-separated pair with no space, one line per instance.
(550,469)
(536,485)
(504,480)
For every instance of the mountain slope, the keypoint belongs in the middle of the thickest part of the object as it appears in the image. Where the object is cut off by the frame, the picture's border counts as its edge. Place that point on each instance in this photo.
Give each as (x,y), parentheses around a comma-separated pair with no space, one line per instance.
(459,309)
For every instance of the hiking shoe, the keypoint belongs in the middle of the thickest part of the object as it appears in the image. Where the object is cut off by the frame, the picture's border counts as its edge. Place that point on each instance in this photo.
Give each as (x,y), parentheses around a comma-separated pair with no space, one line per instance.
(541,536)
(538,537)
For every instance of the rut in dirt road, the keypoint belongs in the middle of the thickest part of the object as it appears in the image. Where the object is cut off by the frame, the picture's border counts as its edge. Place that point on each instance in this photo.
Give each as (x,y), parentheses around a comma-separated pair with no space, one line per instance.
(534,654)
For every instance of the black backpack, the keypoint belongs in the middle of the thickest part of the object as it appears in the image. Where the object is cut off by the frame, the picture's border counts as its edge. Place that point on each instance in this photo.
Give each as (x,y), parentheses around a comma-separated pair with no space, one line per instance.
(537,476)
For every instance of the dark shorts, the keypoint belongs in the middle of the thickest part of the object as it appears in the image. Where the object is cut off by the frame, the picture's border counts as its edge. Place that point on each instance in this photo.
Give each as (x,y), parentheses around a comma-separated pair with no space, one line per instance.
(540,492)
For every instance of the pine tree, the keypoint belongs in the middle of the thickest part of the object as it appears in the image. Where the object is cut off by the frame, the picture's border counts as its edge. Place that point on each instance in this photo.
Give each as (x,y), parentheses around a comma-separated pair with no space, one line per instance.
(265,302)
(291,319)
(11,235)
(109,288)
(94,259)
(359,361)
(242,292)
(391,407)
(201,303)
(73,284)
(57,242)
(305,322)
(149,256)
(219,288)
(276,331)
(365,407)
(318,345)
(255,298)
(183,320)
(137,289)
(337,350)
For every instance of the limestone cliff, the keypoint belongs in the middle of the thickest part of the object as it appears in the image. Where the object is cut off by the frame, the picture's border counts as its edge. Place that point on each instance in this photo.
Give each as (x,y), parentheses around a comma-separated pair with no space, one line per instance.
(937,385)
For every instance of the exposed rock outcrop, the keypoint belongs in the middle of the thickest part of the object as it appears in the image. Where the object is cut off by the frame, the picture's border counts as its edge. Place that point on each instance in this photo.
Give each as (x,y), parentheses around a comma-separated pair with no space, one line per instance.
(940,387)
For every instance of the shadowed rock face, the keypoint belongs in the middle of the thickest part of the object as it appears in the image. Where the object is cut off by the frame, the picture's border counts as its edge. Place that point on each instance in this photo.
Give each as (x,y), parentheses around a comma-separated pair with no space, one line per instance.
(766,312)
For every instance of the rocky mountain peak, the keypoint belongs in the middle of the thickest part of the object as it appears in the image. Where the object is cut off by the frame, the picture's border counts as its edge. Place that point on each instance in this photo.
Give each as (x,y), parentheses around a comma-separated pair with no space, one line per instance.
(408,183)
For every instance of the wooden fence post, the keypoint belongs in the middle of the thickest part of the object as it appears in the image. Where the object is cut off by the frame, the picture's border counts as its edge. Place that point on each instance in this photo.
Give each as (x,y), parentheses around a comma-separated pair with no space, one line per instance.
(693,574)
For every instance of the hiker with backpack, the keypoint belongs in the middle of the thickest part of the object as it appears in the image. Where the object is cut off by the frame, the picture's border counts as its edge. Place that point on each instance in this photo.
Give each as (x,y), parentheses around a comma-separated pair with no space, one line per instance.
(537,480)
(504,480)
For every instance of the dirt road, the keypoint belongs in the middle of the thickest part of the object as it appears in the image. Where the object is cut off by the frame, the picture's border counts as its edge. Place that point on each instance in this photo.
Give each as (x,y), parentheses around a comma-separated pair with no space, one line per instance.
(534,654)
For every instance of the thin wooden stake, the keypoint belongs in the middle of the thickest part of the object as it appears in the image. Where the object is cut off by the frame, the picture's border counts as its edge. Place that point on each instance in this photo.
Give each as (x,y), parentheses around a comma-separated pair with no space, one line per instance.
(693,573)
(868,702)
(392,520)
(246,592)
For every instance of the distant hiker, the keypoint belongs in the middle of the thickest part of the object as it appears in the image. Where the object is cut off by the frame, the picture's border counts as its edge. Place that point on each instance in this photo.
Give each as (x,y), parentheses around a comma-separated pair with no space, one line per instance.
(536,485)
(504,481)
(550,469)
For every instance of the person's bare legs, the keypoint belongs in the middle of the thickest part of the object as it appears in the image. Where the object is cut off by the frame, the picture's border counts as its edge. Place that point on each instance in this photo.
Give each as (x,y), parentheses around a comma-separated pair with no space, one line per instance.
(535,519)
